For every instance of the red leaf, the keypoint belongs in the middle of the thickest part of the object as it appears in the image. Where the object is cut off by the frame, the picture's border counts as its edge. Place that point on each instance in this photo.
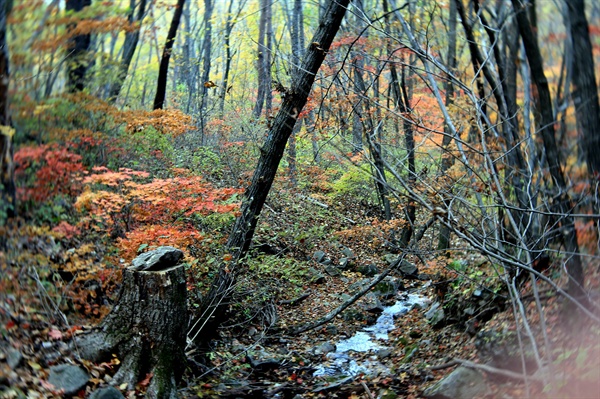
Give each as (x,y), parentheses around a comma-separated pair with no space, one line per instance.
(55,334)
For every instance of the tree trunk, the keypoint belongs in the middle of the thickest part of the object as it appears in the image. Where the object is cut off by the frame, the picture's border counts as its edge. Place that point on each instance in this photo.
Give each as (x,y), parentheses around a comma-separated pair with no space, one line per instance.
(7,168)
(206,65)
(297,41)
(447,159)
(263,63)
(147,327)
(77,59)
(225,85)
(129,46)
(270,156)
(534,58)
(585,91)
(161,83)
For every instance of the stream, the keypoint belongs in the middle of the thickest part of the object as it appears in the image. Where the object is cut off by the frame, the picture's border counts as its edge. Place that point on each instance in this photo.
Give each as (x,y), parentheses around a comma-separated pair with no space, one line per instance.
(342,362)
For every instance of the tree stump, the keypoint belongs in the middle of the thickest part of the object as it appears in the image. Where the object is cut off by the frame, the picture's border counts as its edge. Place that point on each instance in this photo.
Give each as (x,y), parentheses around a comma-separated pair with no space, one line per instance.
(147,327)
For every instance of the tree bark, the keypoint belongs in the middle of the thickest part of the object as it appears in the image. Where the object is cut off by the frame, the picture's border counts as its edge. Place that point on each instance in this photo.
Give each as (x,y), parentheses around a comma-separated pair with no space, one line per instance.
(161,83)
(271,152)
(573,264)
(7,168)
(129,46)
(447,160)
(147,327)
(585,90)
(206,64)
(77,59)
(263,62)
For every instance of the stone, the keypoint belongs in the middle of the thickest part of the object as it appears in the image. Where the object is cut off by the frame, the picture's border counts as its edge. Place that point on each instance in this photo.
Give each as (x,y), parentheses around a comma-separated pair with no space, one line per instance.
(107,393)
(408,269)
(369,270)
(319,256)
(344,263)
(14,358)
(68,378)
(462,383)
(386,289)
(371,303)
(383,353)
(317,277)
(390,258)
(435,315)
(348,253)
(324,348)
(332,271)
(159,259)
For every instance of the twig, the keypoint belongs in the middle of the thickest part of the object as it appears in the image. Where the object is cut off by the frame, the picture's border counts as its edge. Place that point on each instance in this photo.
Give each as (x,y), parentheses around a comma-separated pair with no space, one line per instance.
(366,388)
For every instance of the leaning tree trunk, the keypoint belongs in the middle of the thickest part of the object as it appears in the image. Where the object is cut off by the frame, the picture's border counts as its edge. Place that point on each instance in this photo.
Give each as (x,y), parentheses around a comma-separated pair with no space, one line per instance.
(147,327)
(271,152)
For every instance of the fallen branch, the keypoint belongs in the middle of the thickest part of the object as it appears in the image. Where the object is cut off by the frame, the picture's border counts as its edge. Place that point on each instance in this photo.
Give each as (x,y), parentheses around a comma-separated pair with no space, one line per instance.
(494,370)
(295,301)
(311,326)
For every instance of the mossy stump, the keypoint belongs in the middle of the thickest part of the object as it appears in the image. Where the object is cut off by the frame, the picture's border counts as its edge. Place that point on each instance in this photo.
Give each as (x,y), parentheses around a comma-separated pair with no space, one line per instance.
(147,327)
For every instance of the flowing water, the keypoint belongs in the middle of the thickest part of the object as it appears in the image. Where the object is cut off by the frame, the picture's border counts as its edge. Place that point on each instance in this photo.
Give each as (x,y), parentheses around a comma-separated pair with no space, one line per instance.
(342,362)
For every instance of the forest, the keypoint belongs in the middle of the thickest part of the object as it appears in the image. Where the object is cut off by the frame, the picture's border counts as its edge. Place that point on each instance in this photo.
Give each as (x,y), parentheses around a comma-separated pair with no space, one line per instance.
(299,199)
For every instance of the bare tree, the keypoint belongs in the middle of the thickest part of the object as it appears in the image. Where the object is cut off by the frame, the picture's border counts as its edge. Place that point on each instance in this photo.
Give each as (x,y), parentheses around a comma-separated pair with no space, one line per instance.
(129,45)
(585,90)
(263,63)
(161,83)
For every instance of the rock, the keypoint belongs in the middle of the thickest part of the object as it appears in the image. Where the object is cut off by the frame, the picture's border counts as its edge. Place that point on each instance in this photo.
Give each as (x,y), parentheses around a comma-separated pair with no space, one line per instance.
(390,258)
(68,378)
(107,393)
(369,270)
(344,264)
(348,253)
(332,271)
(462,383)
(159,259)
(317,277)
(331,329)
(353,315)
(408,269)
(263,361)
(383,353)
(435,315)
(14,358)
(371,303)
(319,256)
(324,348)
(386,289)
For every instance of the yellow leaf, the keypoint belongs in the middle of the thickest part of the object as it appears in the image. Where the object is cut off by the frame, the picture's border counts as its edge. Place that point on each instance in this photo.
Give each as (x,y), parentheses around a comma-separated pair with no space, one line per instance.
(34,365)
(7,131)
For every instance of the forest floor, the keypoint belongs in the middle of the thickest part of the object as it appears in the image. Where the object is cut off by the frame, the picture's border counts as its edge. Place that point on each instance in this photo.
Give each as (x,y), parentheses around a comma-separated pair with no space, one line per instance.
(53,284)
